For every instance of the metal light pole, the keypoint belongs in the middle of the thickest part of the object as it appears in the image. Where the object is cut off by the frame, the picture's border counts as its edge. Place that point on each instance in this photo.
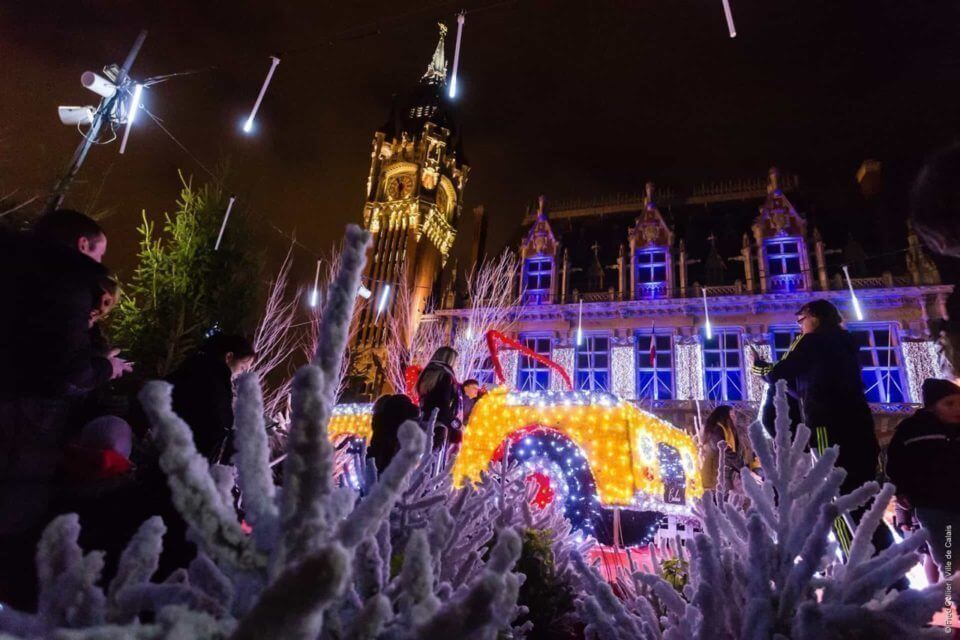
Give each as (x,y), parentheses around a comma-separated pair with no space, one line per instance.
(103,113)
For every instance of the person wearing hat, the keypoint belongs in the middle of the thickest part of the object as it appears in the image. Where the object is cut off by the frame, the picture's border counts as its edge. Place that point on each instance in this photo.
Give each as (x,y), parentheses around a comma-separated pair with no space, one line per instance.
(922,463)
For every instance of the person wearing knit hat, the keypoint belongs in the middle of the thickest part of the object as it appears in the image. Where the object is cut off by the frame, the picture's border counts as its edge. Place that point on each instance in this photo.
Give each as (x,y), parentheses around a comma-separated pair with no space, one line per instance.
(922,463)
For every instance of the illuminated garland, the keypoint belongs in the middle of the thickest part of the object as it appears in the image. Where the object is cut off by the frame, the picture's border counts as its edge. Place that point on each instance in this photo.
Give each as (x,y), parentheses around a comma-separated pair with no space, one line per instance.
(689,371)
(561,472)
(623,371)
(564,357)
(920,362)
(510,360)
(756,387)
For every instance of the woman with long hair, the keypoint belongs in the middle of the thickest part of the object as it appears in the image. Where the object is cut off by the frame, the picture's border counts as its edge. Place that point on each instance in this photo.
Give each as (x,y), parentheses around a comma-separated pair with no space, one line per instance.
(437,388)
(720,427)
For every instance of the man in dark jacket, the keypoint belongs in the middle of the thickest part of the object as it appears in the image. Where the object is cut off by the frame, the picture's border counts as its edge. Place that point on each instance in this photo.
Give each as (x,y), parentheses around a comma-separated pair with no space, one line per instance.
(824,366)
(49,280)
(922,462)
(203,392)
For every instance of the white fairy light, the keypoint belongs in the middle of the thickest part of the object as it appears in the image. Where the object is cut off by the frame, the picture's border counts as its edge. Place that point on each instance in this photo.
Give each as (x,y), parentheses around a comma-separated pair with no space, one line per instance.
(689,367)
(132,109)
(382,302)
(623,371)
(223,225)
(920,362)
(248,125)
(706,315)
(315,294)
(853,296)
(461,17)
(729,15)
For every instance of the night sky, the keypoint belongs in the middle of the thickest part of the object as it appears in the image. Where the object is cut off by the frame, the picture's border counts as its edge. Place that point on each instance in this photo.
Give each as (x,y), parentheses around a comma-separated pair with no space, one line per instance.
(565,99)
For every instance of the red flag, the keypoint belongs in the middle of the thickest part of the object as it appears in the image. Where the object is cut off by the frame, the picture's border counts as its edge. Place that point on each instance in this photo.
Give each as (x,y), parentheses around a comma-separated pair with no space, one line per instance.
(653,348)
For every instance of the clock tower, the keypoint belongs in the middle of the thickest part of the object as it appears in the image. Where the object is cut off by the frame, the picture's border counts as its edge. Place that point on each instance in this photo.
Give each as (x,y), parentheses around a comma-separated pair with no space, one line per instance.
(413,203)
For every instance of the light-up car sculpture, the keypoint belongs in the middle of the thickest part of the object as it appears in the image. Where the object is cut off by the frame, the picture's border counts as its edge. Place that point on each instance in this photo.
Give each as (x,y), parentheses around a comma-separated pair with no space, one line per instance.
(587,449)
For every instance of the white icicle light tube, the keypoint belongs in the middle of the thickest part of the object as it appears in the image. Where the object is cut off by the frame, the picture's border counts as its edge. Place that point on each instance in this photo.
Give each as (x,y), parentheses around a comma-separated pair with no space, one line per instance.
(248,125)
(382,302)
(223,225)
(131,114)
(461,18)
(580,325)
(707,327)
(729,15)
(857,310)
(315,294)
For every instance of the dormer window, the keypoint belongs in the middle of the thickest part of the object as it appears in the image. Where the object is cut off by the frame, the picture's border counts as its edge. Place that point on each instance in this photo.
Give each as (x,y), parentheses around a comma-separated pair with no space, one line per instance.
(784,263)
(652,267)
(537,279)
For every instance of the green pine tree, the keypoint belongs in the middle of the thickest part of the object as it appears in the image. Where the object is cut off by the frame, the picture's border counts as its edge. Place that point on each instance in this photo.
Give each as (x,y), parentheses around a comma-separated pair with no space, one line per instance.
(182,288)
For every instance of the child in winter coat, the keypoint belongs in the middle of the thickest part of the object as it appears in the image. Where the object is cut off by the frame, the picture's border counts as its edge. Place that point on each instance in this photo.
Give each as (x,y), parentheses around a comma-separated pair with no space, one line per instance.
(922,462)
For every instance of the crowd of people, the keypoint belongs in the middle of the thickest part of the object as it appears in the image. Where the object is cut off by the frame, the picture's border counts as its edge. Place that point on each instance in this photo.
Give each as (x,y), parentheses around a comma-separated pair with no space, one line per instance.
(65,448)
(71,440)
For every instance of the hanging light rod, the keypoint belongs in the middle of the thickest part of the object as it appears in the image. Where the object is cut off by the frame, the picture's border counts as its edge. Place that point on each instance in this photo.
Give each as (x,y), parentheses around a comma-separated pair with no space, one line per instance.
(461,18)
(729,15)
(132,108)
(223,225)
(857,310)
(248,125)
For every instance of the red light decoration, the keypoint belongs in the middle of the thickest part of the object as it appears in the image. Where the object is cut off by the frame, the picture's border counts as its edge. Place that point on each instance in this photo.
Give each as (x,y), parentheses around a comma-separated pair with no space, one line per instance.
(410,376)
(545,493)
(495,339)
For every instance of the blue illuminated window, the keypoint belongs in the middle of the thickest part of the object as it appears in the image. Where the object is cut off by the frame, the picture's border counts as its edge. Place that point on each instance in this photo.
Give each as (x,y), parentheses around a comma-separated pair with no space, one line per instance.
(537,274)
(484,374)
(781,339)
(654,366)
(593,364)
(533,375)
(784,264)
(651,273)
(721,365)
(880,363)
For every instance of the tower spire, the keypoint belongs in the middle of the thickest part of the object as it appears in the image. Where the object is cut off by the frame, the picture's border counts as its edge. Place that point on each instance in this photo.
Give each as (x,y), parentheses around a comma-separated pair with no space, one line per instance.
(437,69)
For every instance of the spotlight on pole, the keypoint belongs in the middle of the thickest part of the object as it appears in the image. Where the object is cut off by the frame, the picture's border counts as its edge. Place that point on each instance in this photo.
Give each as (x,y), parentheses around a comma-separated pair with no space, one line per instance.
(132,108)
(73,116)
(382,302)
(248,125)
(98,84)
(364,293)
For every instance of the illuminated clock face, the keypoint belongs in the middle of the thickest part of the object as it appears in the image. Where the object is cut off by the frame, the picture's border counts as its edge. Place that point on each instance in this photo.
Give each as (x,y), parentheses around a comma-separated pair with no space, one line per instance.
(399,187)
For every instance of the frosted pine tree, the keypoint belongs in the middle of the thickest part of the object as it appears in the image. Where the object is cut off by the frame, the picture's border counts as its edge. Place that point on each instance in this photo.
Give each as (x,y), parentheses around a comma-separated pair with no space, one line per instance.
(773,572)
(318,561)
